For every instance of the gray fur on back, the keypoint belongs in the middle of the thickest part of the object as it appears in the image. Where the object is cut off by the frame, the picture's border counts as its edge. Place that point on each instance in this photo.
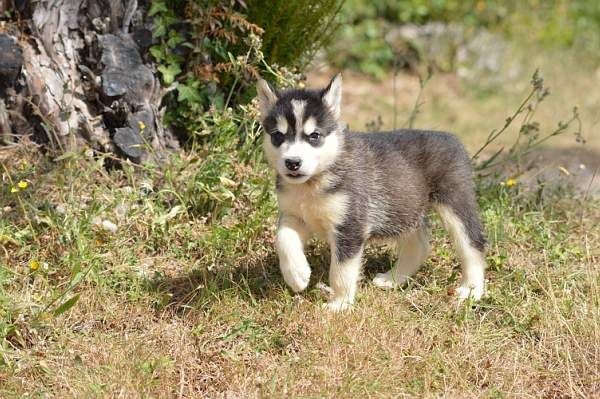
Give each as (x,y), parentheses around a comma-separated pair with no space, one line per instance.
(393,179)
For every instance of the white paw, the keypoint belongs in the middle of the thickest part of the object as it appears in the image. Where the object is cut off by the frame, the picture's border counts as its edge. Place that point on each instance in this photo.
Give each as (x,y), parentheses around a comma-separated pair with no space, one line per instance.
(473,291)
(387,281)
(297,278)
(338,305)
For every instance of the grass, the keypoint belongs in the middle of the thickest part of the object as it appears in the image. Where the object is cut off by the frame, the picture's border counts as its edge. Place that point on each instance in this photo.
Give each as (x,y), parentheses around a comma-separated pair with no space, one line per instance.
(185,299)
(140,281)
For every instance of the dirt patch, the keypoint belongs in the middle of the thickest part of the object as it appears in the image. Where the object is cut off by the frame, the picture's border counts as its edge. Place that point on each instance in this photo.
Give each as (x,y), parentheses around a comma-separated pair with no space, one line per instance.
(577,168)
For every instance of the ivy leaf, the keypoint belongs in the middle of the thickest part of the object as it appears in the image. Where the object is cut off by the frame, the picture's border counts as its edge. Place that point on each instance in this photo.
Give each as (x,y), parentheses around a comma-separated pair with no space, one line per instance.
(160,30)
(156,7)
(172,58)
(157,52)
(188,93)
(174,39)
(218,100)
(169,72)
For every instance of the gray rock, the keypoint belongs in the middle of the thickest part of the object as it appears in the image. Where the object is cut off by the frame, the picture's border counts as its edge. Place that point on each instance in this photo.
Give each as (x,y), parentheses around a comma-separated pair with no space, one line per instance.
(574,168)
(128,80)
(132,140)
(124,74)
(143,38)
(486,59)
(477,56)
(11,60)
(435,42)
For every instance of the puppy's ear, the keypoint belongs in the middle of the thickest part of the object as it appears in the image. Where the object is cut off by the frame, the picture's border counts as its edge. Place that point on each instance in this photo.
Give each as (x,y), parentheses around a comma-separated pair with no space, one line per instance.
(332,95)
(266,97)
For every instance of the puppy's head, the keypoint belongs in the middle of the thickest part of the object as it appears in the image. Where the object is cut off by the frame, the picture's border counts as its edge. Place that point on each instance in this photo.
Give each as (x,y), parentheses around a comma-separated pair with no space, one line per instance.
(303,132)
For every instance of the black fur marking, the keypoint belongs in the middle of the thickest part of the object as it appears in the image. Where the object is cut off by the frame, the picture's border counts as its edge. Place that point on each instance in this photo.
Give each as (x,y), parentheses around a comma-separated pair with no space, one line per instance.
(315,139)
(350,235)
(277,138)
(466,210)
(349,239)
(314,108)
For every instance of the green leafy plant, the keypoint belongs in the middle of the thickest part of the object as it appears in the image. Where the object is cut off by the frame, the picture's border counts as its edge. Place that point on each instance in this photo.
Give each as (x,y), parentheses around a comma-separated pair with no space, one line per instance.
(208,55)
(210,52)
(362,47)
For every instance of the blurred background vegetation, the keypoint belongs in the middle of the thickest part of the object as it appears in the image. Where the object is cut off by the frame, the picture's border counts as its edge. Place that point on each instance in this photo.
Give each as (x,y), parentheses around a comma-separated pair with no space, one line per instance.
(213,51)
(362,41)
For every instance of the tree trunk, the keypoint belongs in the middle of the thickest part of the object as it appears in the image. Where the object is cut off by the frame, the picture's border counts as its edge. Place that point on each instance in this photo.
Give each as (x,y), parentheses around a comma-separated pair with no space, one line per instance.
(84,79)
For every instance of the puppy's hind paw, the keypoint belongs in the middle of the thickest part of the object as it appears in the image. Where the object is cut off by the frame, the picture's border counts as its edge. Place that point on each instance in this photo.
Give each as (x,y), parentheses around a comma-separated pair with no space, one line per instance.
(386,281)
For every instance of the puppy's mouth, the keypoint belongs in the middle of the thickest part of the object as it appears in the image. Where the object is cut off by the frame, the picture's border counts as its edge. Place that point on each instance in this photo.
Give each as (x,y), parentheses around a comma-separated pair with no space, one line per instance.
(294,175)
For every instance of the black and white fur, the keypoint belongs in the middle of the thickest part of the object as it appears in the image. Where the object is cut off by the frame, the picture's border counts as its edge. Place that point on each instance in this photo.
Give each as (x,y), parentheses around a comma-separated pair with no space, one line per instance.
(347,188)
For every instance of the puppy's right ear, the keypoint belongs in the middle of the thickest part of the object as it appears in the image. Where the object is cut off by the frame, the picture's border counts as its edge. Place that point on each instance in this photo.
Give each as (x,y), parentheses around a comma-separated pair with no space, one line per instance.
(266,97)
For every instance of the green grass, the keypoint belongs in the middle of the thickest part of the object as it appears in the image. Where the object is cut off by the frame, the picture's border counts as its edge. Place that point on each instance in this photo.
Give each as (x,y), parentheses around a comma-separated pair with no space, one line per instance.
(185,298)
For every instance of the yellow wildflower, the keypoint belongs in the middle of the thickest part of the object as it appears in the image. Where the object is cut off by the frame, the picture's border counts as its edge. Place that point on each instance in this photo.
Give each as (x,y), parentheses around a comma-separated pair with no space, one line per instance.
(34,265)
(511,182)
(14,190)
(141,125)
(22,184)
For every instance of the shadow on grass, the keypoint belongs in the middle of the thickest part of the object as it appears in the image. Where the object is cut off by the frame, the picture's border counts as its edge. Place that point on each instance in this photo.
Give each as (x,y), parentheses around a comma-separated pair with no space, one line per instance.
(199,289)
(252,281)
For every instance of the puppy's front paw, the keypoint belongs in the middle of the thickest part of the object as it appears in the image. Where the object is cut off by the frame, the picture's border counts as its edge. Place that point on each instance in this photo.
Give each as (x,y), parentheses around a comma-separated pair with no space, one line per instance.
(474,292)
(297,278)
(338,305)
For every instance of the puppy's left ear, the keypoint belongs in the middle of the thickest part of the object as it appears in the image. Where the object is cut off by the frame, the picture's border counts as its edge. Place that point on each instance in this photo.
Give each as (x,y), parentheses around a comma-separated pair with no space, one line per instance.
(332,95)
(266,97)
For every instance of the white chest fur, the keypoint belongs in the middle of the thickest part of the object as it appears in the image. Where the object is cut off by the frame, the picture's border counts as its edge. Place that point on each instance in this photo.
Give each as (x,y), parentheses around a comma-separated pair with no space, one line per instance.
(321,212)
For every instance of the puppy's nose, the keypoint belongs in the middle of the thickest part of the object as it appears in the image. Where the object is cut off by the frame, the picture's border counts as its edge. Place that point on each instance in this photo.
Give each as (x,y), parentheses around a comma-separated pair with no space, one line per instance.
(293,164)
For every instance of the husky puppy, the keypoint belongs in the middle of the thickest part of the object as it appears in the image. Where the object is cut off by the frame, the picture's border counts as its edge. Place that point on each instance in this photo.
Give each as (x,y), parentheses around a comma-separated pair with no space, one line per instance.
(348,187)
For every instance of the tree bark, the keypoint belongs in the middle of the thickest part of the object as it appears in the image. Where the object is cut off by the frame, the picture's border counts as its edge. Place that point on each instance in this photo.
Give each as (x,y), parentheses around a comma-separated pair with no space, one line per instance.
(86,78)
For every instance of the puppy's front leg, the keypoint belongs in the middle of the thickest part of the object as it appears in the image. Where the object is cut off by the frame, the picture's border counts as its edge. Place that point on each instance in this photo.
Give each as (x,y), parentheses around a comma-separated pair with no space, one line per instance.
(344,272)
(291,236)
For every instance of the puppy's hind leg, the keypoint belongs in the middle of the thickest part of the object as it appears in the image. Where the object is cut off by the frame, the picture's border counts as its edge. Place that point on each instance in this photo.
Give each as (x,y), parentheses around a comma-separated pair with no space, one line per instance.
(465,228)
(412,252)
(291,235)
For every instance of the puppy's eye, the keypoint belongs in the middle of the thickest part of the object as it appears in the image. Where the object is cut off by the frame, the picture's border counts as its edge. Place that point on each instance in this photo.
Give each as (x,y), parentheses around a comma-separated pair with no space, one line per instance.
(314,138)
(277,138)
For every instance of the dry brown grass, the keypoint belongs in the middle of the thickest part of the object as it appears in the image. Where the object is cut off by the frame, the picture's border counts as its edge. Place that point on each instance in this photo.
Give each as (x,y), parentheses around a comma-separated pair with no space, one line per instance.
(237,332)
(198,309)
